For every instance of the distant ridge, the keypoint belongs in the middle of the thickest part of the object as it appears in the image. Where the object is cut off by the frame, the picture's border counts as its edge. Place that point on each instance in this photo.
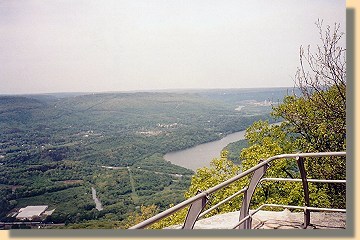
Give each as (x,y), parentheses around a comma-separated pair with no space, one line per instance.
(170,90)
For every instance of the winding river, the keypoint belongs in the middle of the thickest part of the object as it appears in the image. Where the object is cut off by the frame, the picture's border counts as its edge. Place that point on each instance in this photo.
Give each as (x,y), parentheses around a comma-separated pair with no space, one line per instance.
(201,155)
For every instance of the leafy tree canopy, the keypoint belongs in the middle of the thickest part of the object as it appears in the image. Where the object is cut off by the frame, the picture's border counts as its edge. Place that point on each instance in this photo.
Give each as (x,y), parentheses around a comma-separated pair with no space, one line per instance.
(312,121)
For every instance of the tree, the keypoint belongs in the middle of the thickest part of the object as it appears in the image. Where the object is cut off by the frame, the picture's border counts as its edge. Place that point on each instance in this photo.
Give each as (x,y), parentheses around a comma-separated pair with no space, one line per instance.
(145,213)
(267,140)
(220,170)
(324,69)
(314,120)
(318,115)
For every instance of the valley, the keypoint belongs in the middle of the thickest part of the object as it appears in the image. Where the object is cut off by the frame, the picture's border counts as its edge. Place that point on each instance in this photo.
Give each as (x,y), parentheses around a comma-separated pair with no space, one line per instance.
(56,148)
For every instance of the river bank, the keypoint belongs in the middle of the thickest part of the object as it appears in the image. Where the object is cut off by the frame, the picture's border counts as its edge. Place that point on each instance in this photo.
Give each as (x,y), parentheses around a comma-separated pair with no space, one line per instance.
(201,155)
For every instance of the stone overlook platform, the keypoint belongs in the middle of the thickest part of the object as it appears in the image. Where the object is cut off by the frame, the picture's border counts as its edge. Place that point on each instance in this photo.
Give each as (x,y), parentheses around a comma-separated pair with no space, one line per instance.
(274,220)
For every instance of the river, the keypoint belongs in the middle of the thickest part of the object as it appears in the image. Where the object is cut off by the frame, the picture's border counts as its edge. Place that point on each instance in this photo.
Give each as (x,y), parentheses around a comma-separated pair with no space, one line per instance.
(201,155)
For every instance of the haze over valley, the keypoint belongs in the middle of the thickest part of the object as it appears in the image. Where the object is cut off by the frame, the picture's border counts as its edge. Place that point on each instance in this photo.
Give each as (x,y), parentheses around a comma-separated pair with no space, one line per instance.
(54,147)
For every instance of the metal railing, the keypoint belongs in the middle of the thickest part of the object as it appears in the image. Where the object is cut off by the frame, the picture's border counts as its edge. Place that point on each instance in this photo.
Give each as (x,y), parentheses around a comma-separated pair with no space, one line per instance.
(198,202)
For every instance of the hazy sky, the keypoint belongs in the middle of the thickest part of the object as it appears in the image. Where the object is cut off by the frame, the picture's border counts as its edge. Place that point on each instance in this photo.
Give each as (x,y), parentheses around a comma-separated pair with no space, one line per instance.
(119,45)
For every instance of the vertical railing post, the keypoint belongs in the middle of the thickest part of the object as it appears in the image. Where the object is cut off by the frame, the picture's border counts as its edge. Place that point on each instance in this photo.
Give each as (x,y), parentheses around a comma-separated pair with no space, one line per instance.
(300,162)
(244,210)
(194,212)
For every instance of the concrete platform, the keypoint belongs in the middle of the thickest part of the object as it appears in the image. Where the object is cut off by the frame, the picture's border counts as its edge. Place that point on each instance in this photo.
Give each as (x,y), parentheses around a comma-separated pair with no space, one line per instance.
(274,220)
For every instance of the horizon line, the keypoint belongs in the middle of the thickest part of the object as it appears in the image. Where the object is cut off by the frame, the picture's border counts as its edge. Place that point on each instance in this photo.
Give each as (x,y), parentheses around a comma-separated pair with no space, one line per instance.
(141,90)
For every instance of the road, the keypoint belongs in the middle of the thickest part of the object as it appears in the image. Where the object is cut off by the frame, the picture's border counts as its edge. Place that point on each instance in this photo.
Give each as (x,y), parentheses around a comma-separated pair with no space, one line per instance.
(134,195)
(96,200)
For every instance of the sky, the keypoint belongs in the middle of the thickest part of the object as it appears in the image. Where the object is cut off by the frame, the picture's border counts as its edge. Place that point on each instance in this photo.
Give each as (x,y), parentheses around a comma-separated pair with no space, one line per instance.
(129,45)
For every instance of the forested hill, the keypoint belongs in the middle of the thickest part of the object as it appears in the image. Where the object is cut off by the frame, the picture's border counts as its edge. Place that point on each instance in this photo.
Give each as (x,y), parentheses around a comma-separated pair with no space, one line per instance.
(60,144)
(171,120)
(257,94)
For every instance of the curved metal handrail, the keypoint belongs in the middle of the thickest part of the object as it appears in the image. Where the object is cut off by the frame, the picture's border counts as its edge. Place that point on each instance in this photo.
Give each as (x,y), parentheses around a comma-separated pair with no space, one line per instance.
(204,194)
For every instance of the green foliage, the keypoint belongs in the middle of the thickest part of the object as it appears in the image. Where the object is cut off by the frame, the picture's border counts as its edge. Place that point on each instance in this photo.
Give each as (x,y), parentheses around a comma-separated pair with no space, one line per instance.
(177,218)
(207,177)
(270,140)
(290,137)
(157,162)
(54,145)
(220,170)
(149,181)
(145,213)
(321,127)
(94,224)
(319,123)
(234,150)
(62,200)
(315,121)
(267,140)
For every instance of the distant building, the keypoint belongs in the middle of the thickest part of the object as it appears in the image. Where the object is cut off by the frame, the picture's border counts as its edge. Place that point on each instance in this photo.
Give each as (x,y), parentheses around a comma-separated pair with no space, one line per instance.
(31,211)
